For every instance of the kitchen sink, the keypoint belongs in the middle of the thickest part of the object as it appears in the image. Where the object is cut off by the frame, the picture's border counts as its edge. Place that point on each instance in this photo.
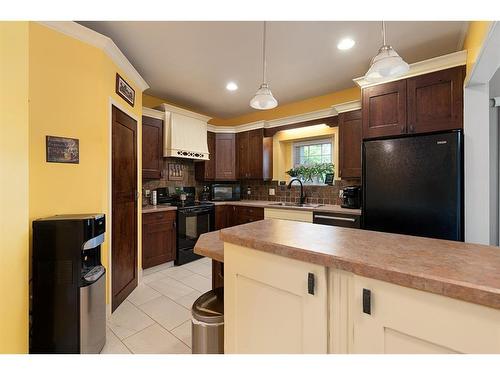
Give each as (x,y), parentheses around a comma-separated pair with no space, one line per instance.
(286,204)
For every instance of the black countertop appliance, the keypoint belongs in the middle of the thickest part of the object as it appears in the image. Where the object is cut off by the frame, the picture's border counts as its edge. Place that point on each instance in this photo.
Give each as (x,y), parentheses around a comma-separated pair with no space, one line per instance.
(351,197)
(414,185)
(69,285)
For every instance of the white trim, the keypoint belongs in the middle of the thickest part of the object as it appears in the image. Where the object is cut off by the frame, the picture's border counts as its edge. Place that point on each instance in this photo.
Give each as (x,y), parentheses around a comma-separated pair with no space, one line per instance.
(422,67)
(347,107)
(302,117)
(181,111)
(488,59)
(102,42)
(113,102)
(277,122)
(154,113)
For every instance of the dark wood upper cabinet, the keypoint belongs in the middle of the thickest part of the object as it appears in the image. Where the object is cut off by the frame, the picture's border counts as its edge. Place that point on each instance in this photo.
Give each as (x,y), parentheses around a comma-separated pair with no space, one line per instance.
(255,155)
(435,101)
(243,162)
(427,103)
(152,147)
(158,238)
(205,170)
(225,160)
(384,109)
(350,139)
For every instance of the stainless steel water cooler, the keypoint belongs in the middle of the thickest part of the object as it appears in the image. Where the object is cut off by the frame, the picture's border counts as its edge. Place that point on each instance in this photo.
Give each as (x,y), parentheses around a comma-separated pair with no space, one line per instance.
(69,285)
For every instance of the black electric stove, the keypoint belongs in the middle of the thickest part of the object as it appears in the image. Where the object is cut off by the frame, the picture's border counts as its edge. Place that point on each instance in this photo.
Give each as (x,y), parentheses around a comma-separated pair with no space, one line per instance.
(193,219)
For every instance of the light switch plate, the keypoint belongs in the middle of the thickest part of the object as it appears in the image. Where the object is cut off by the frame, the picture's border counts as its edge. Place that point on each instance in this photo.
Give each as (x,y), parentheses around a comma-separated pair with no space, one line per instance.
(272,192)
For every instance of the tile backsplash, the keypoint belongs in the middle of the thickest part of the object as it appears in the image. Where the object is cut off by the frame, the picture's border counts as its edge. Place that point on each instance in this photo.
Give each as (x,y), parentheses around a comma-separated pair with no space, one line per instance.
(187,166)
(316,194)
(259,190)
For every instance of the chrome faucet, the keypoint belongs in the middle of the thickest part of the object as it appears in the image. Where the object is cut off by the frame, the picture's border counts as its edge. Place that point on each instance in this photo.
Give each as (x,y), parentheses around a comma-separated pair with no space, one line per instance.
(302,195)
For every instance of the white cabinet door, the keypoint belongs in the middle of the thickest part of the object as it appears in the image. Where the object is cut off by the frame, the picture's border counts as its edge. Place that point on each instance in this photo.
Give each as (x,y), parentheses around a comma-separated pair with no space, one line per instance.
(267,306)
(288,214)
(405,320)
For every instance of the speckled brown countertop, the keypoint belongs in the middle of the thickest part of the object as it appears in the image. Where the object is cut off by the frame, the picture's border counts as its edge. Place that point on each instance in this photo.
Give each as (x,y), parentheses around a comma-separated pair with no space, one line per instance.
(158,208)
(271,204)
(455,269)
(210,245)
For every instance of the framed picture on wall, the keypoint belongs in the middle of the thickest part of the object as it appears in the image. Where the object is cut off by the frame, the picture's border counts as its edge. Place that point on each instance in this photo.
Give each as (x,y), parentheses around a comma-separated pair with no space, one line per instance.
(62,150)
(125,90)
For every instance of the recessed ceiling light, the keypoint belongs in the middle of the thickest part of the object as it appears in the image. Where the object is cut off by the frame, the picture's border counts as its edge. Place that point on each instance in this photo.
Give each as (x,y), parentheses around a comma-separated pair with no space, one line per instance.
(231,86)
(346,43)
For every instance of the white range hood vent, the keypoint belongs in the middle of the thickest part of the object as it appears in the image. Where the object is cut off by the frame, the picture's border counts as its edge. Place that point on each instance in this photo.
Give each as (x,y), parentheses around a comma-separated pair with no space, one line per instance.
(184,133)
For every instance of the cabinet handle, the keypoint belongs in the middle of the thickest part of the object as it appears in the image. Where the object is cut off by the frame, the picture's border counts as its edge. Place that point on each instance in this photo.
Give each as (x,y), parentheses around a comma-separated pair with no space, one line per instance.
(310,283)
(350,219)
(367,301)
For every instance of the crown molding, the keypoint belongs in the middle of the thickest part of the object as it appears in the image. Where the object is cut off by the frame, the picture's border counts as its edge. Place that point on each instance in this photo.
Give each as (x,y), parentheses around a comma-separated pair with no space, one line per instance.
(154,113)
(277,122)
(301,118)
(86,35)
(347,107)
(422,67)
(181,111)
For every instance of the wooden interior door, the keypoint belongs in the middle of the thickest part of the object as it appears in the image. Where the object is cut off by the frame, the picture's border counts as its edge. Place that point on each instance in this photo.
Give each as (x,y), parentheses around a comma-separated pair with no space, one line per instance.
(124,207)
(350,144)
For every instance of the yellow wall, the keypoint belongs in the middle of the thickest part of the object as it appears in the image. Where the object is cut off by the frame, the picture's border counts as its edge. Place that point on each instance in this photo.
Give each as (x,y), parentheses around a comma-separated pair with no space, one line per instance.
(474,40)
(282,147)
(304,106)
(14,151)
(296,108)
(70,86)
(151,101)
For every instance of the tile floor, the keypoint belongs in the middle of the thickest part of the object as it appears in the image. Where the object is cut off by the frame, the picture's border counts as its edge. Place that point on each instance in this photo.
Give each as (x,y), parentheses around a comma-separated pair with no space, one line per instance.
(156,316)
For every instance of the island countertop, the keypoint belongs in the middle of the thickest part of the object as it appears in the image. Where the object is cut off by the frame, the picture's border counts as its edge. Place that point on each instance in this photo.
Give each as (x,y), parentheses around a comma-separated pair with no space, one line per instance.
(458,270)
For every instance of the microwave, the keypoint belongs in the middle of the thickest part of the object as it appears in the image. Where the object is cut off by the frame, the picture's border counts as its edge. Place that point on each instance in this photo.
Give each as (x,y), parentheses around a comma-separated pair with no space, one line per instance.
(225,192)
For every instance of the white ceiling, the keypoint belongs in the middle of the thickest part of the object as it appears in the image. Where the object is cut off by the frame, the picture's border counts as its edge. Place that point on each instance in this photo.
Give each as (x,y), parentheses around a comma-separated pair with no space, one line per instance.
(189,63)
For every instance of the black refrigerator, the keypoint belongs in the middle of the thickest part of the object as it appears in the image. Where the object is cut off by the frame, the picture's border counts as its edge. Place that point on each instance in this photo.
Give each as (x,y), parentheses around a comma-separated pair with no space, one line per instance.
(414,185)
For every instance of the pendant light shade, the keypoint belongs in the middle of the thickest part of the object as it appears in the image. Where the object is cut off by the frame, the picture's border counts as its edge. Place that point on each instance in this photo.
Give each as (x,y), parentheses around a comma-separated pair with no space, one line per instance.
(387,63)
(263,98)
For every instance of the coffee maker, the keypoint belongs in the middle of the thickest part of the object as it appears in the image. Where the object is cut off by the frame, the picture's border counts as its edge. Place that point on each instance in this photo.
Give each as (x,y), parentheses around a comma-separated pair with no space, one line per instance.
(69,285)
(351,197)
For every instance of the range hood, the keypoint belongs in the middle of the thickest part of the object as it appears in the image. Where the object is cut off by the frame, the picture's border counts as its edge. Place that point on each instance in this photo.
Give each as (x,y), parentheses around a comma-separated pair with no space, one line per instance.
(184,133)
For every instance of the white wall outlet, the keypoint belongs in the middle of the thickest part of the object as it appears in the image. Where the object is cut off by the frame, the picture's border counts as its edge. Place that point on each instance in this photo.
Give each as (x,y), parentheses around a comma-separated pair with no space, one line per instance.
(341,193)
(272,192)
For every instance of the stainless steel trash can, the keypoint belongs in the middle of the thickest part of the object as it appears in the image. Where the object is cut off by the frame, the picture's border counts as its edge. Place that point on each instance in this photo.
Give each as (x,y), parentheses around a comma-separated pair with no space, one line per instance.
(208,323)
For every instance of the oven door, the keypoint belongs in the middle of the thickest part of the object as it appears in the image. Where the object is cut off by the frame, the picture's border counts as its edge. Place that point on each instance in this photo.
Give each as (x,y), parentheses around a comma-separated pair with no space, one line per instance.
(191,223)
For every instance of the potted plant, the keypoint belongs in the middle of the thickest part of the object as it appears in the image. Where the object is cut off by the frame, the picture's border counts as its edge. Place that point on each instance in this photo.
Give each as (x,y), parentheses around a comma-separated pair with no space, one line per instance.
(313,173)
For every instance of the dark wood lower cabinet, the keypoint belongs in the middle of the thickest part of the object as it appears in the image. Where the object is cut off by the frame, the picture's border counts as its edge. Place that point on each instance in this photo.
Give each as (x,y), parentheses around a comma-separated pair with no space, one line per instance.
(158,238)
(217,274)
(245,214)
(220,217)
(231,215)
